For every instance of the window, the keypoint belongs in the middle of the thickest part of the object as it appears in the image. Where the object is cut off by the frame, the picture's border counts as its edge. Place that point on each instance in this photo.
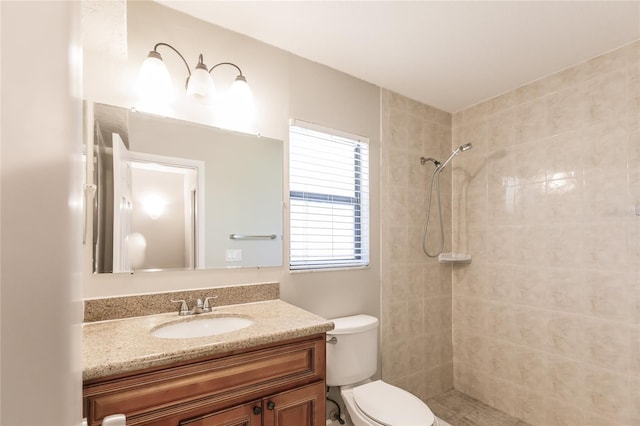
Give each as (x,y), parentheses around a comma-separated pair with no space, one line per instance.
(328,199)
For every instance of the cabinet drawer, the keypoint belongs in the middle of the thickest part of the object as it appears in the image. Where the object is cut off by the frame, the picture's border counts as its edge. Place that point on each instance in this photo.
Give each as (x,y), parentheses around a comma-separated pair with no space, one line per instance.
(244,415)
(229,380)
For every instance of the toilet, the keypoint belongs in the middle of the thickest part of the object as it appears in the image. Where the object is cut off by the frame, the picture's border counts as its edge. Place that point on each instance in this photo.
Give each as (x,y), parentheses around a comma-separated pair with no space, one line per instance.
(352,359)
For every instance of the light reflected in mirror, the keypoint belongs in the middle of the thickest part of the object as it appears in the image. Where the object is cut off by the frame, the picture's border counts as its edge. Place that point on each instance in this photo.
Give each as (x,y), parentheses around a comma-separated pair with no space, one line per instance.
(176,195)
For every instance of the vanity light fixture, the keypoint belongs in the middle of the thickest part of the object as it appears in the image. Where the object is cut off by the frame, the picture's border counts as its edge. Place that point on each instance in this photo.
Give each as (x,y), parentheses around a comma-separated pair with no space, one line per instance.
(154,83)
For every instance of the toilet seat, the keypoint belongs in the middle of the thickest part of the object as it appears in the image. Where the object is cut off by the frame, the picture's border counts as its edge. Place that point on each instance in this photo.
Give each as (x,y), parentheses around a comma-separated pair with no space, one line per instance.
(391,406)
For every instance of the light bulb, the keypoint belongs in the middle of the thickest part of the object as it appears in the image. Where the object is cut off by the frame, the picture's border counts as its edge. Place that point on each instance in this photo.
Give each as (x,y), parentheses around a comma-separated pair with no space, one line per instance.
(200,84)
(154,205)
(154,82)
(240,107)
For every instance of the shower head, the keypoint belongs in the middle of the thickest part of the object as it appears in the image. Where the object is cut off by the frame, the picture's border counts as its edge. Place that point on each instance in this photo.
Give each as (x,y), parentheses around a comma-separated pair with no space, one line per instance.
(465,147)
(461,148)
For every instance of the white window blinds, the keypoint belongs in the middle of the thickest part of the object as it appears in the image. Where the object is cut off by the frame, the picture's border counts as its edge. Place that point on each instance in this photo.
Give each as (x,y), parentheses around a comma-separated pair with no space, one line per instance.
(328,199)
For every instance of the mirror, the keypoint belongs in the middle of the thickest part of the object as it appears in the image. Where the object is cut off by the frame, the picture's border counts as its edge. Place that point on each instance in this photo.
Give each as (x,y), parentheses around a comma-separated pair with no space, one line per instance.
(176,195)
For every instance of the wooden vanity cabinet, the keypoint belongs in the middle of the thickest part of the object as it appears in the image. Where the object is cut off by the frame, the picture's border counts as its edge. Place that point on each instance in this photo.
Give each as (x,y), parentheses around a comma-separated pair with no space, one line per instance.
(299,407)
(281,384)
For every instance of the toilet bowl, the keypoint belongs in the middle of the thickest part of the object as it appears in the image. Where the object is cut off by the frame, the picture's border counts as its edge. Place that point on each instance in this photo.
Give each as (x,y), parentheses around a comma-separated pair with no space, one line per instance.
(380,404)
(351,362)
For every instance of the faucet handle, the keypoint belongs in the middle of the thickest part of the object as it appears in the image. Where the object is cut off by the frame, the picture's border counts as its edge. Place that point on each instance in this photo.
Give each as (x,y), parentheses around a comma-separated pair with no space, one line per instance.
(184,308)
(207,306)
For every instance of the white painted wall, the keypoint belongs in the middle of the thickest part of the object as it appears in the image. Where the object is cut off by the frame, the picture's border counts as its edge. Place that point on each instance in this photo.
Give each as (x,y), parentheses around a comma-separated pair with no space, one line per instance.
(39,219)
(284,86)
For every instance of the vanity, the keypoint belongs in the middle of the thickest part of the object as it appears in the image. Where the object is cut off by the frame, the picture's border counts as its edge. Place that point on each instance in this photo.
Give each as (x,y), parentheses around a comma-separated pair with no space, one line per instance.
(268,368)
(271,372)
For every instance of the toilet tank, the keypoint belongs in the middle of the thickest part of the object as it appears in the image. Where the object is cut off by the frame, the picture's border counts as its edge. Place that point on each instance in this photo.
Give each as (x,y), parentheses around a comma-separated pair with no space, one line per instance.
(354,355)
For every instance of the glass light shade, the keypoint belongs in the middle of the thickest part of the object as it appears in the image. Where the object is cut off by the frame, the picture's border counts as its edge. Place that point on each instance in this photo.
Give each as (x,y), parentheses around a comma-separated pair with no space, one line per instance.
(200,83)
(240,102)
(154,205)
(154,81)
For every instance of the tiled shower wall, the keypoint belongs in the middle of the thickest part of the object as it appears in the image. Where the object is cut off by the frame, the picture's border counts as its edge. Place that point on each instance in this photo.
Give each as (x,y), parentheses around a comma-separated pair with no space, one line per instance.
(416,290)
(546,318)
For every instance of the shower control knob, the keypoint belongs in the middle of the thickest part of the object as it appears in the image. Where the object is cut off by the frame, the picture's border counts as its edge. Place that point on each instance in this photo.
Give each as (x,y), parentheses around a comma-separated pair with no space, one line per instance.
(271,405)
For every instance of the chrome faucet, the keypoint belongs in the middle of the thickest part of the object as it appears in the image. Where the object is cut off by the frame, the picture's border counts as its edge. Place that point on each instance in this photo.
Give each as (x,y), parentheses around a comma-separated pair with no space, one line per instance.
(199,308)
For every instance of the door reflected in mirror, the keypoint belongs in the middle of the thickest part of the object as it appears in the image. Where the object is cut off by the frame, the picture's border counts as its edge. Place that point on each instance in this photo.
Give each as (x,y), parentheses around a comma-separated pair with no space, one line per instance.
(175,195)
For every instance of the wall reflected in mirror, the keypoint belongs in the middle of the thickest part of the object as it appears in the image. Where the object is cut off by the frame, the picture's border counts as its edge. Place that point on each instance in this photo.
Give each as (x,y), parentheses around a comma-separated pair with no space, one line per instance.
(176,195)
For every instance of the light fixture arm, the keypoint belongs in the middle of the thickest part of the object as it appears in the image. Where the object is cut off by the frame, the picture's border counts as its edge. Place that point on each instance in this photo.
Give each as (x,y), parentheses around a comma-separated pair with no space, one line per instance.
(155,49)
(227,63)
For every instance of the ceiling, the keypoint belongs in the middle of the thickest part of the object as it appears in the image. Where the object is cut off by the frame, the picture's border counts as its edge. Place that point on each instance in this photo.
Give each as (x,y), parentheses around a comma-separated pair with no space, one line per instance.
(447,54)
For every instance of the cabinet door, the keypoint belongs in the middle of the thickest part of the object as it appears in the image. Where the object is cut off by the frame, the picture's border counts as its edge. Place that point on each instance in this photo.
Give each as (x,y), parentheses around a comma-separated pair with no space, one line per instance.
(244,415)
(301,407)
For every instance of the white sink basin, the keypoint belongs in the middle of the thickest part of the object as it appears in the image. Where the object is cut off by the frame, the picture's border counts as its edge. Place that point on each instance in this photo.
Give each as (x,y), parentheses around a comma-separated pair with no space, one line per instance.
(201,327)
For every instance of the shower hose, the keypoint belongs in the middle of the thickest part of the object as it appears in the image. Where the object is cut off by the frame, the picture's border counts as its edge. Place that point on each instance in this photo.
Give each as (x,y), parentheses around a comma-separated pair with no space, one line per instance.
(435,178)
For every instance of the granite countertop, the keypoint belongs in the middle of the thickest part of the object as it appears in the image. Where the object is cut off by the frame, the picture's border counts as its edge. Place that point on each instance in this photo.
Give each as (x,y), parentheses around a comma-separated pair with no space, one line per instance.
(124,345)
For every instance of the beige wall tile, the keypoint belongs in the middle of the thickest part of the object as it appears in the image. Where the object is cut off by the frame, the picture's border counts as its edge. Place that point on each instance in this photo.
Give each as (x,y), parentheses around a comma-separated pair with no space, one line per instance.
(533,408)
(607,344)
(530,92)
(469,280)
(398,172)
(530,327)
(475,113)
(416,314)
(569,109)
(602,145)
(499,285)
(633,103)
(501,102)
(608,96)
(568,77)
(565,335)
(565,245)
(508,397)
(545,319)
(474,133)
(416,291)
(634,395)
(612,61)
(564,197)
(563,414)
(607,394)
(530,121)
(610,295)
(566,290)
(437,314)
(530,162)
(530,244)
(529,284)
(605,244)
(565,154)
(567,380)
(395,359)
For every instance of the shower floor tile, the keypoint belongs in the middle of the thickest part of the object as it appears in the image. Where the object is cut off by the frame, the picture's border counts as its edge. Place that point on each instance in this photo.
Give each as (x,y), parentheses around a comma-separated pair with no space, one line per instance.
(461,410)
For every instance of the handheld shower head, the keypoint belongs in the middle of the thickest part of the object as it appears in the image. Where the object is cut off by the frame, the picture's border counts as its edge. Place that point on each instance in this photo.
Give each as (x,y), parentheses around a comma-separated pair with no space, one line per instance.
(461,148)
(435,177)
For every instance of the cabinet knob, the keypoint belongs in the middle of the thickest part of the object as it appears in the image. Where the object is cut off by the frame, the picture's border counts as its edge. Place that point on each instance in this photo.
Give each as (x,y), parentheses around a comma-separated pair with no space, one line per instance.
(257,410)
(271,405)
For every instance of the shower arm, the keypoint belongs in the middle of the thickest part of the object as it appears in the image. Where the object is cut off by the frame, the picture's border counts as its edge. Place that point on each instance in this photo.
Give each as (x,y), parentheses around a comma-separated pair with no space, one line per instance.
(424,160)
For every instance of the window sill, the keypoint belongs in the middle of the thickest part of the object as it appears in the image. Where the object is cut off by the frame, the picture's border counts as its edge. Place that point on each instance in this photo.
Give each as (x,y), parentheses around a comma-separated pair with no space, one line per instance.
(339,268)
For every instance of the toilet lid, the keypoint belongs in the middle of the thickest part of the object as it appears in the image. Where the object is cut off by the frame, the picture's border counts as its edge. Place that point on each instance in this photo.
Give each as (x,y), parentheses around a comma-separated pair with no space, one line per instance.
(391,405)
